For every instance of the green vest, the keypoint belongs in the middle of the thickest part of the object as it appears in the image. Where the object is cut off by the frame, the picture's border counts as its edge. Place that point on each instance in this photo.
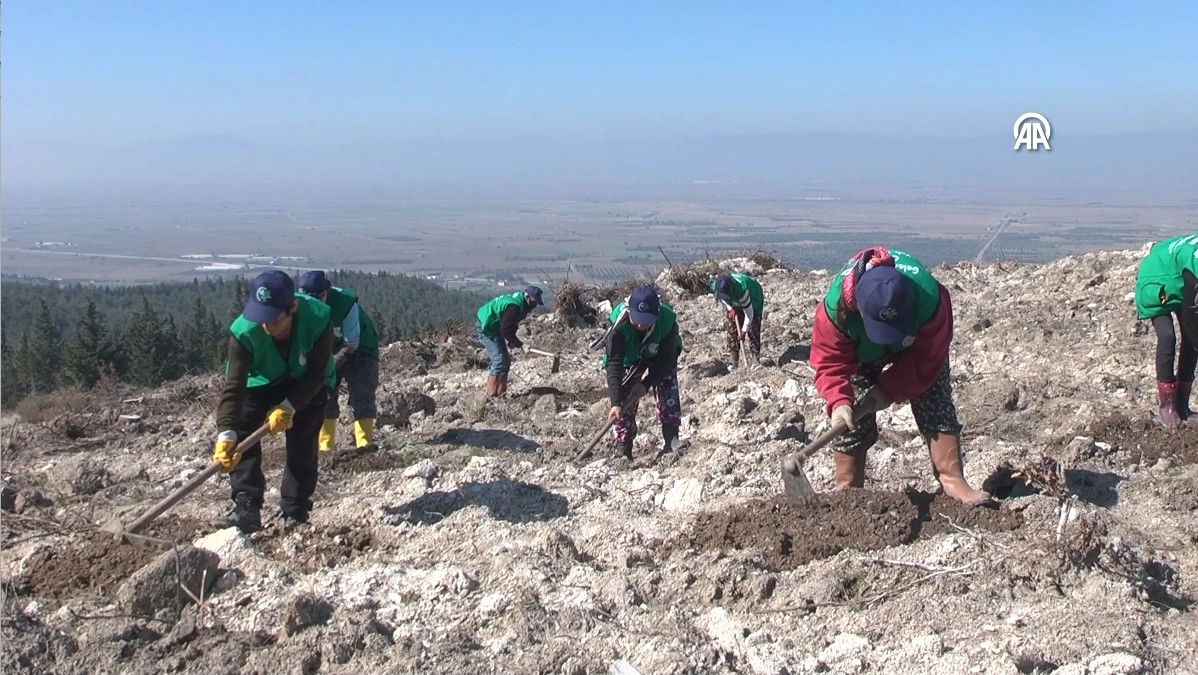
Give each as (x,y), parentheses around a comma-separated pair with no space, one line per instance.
(648,348)
(927,300)
(744,283)
(268,367)
(491,313)
(340,301)
(1158,281)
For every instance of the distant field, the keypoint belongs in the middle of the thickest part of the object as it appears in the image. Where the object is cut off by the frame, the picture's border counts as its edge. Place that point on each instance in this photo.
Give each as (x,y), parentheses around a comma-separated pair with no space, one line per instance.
(476,242)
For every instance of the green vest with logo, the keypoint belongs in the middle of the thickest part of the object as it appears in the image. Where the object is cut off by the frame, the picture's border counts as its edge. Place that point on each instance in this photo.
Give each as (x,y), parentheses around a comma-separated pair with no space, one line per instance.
(340,301)
(1158,280)
(268,367)
(744,283)
(636,347)
(927,301)
(491,313)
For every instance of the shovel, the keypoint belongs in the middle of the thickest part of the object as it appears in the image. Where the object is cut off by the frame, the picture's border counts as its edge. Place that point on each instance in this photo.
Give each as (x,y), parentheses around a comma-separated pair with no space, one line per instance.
(173,498)
(798,488)
(557,358)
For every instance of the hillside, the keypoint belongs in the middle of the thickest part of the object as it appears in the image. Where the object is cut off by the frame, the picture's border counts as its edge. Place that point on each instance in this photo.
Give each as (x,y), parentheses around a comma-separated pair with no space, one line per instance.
(471,547)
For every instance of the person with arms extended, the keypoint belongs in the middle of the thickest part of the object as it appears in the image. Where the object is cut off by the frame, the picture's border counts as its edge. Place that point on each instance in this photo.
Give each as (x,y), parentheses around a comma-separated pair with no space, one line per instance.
(496,326)
(356,358)
(279,372)
(1165,283)
(885,328)
(641,353)
(741,294)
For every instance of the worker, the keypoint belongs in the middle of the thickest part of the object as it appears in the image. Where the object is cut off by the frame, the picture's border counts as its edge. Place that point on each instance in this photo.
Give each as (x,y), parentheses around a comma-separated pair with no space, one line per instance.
(1165,284)
(355,358)
(496,326)
(741,294)
(279,373)
(640,354)
(883,331)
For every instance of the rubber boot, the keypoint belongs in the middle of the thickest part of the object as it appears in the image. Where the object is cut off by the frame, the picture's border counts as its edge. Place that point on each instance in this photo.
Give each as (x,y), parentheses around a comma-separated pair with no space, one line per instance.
(945,452)
(246,514)
(669,434)
(1181,402)
(328,435)
(735,359)
(850,469)
(492,383)
(364,434)
(626,448)
(1166,395)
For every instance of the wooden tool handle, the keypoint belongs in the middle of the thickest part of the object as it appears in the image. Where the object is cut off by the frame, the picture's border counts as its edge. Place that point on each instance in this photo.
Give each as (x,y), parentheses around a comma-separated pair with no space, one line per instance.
(195,481)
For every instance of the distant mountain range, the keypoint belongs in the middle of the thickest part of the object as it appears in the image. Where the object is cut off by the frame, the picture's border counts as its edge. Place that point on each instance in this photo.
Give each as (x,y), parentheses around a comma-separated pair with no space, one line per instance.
(1164,160)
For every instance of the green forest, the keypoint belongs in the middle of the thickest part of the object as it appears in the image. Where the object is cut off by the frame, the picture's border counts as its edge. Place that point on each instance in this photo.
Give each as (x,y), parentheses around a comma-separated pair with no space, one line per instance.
(71,335)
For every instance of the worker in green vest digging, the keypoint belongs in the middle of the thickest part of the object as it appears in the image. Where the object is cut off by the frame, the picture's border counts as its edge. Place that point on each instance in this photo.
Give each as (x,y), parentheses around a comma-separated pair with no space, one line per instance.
(496,326)
(279,372)
(355,358)
(743,297)
(883,332)
(647,340)
(1165,285)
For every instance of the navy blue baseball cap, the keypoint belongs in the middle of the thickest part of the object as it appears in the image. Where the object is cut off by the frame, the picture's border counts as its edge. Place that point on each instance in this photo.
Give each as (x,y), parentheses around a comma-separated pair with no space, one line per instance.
(314,282)
(535,293)
(887,304)
(643,305)
(724,287)
(271,294)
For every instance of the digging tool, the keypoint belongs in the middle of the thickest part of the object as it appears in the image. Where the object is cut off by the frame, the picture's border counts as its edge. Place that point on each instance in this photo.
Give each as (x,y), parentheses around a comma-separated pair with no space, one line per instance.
(586,452)
(798,488)
(557,358)
(173,498)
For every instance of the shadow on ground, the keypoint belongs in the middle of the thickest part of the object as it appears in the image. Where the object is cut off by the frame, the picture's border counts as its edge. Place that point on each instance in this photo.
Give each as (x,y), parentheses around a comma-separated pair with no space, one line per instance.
(491,439)
(794,354)
(1095,487)
(510,501)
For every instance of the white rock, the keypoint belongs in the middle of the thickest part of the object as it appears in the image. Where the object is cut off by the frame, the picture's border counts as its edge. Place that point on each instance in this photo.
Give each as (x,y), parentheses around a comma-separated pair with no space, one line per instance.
(685,492)
(844,647)
(233,547)
(1071,669)
(425,468)
(1116,663)
(492,604)
(790,390)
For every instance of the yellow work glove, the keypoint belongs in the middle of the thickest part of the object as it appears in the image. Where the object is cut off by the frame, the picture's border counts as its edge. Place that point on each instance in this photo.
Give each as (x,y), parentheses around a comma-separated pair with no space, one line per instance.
(280,417)
(226,451)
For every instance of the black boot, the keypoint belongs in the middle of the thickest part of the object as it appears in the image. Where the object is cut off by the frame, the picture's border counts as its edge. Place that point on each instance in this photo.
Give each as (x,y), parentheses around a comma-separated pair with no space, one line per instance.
(246,514)
(626,446)
(669,434)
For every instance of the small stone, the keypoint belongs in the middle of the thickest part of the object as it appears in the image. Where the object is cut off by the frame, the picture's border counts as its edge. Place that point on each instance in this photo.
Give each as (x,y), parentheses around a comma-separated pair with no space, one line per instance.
(492,605)
(425,469)
(1116,663)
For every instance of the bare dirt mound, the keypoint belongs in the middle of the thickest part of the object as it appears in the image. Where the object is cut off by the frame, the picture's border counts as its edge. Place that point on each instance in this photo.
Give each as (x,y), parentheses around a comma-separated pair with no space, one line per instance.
(864,520)
(98,563)
(315,549)
(362,462)
(1145,440)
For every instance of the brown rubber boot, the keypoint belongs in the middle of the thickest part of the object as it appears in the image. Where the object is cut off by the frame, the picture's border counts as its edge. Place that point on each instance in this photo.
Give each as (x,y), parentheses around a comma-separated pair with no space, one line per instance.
(492,383)
(850,469)
(945,451)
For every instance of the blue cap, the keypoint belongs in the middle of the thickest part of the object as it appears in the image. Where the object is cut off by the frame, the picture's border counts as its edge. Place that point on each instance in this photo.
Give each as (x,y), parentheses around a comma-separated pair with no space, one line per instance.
(534,293)
(887,304)
(643,305)
(724,287)
(314,282)
(272,292)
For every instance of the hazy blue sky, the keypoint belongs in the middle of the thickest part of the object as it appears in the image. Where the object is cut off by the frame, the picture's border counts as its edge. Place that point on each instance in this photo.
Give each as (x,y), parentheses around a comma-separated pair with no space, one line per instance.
(86,76)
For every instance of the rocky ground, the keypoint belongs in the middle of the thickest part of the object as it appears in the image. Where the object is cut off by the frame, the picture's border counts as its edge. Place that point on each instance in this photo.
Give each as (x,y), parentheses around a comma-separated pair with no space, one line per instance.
(484,546)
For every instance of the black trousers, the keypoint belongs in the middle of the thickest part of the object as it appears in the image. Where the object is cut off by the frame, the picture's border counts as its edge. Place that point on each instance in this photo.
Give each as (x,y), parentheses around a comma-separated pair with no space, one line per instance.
(300,470)
(1166,337)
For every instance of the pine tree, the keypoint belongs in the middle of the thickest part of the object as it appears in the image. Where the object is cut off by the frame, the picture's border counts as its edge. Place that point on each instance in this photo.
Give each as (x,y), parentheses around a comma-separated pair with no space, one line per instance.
(169,352)
(196,338)
(10,374)
(144,343)
(44,355)
(92,351)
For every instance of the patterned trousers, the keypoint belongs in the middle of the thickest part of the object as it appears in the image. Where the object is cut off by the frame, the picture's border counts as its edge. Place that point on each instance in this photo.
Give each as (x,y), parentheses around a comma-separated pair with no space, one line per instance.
(934,411)
(669,410)
(735,319)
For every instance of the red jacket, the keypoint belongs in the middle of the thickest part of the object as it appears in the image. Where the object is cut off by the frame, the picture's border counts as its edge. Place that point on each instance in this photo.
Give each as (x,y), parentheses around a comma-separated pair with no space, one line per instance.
(911,373)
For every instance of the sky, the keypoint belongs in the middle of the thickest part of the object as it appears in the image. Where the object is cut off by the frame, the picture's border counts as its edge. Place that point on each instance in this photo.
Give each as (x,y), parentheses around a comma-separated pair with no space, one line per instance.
(87,76)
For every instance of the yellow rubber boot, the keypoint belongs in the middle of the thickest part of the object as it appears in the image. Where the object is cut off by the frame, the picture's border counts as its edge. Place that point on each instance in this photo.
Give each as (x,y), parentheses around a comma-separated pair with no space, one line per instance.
(328,436)
(364,434)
